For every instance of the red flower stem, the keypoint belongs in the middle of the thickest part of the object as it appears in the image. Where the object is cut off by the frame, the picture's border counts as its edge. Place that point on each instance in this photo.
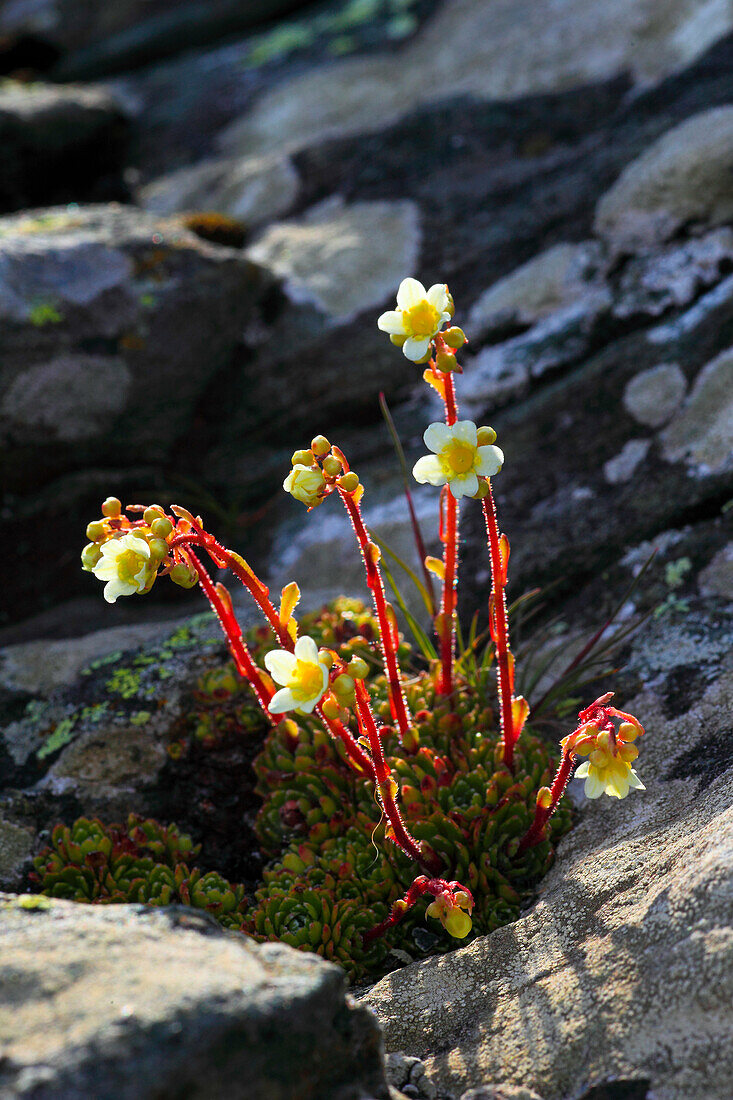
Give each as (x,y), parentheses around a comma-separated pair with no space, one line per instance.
(536,832)
(400,908)
(260,594)
(501,640)
(242,657)
(369,553)
(386,785)
(449,534)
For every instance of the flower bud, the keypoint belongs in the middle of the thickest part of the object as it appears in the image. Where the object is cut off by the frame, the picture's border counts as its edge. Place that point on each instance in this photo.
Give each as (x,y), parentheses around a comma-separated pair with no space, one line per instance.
(302,458)
(357,668)
(90,555)
(343,685)
(320,446)
(397,339)
(486,436)
(454,337)
(111,507)
(161,528)
(451,307)
(330,708)
(544,798)
(483,489)
(445,362)
(95,530)
(626,731)
(325,656)
(349,482)
(158,548)
(332,466)
(152,513)
(183,575)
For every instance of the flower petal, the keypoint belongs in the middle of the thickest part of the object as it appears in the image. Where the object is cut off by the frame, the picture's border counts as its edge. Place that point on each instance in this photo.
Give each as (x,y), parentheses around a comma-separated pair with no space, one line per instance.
(280,664)
(392,322)
(437,295)
(466,432)
(428,471)
(464,485)
(594,786)
(582,771)
(634,781)
(437,436)
(115,588)
(415,347)
(490,460)
(309,707)
(306,650)
(410,292)
(281,701)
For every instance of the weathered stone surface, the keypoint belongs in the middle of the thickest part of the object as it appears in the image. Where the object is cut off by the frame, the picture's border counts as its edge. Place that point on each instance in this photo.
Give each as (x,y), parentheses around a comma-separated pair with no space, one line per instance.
(702,432)
(497,52)
(500,1092)
(653,395)
(334,259)
(624,967)
(125,1002)
(684,178)
(254,190)
(60,144)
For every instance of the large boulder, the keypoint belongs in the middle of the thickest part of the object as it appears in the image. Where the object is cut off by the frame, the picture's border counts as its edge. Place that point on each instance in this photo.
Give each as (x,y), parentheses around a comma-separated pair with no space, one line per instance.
(128,1003)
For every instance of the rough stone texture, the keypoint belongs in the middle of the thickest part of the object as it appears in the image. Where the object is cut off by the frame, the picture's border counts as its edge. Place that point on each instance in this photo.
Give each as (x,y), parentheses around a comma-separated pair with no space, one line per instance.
(499,51)
(59,145)
(128,1003)
(255,190)
(500,1092)
(624,967)
(330,259)
(702,432)
(684,178)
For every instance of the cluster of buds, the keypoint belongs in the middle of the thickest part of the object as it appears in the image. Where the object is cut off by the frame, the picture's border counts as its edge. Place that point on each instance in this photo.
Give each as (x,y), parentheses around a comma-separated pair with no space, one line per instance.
(317,471)
(130,554)
(452,905)
(606,735)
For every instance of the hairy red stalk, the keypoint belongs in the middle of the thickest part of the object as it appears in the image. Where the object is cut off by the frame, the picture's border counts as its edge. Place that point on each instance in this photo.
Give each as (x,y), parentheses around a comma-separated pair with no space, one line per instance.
(387,629)
(386,785)
(223,557)
(501,629)
(242,657)
(449,535)
(420,887)
(536,832)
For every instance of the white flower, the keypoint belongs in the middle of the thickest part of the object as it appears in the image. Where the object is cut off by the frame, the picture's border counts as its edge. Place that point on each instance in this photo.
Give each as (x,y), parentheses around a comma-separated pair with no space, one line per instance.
(419,316)
(303,676)
(305,484)
(457,460)
(610,775)
(125,565)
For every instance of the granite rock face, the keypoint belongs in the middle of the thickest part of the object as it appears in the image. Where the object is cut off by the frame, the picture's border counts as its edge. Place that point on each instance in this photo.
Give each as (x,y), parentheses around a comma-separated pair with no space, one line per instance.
(125,1002)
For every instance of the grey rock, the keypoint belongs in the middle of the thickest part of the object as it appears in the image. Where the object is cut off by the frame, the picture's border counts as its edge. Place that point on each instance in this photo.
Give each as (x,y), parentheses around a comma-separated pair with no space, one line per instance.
(130,1003)
(664,278)
(254,190)
(623,466)
(16,848)
(499,52)
(333,258)
(702,432)
(624,966)
(500,1092)
(653,395)
(404,1071)
(717,577)
(60,144)
(684,177)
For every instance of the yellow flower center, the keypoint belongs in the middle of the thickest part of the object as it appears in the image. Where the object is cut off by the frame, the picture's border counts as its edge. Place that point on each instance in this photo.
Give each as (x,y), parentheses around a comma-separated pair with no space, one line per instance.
(306,680)
(129,564)
(422,319)
(459,457)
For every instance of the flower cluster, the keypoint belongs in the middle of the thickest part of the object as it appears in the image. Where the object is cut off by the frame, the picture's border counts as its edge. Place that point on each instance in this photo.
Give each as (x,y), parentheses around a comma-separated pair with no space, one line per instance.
(372,721)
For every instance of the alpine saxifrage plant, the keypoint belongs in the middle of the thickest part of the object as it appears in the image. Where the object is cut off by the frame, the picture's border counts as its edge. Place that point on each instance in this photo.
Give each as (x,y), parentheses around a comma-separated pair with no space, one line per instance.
(472,815)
